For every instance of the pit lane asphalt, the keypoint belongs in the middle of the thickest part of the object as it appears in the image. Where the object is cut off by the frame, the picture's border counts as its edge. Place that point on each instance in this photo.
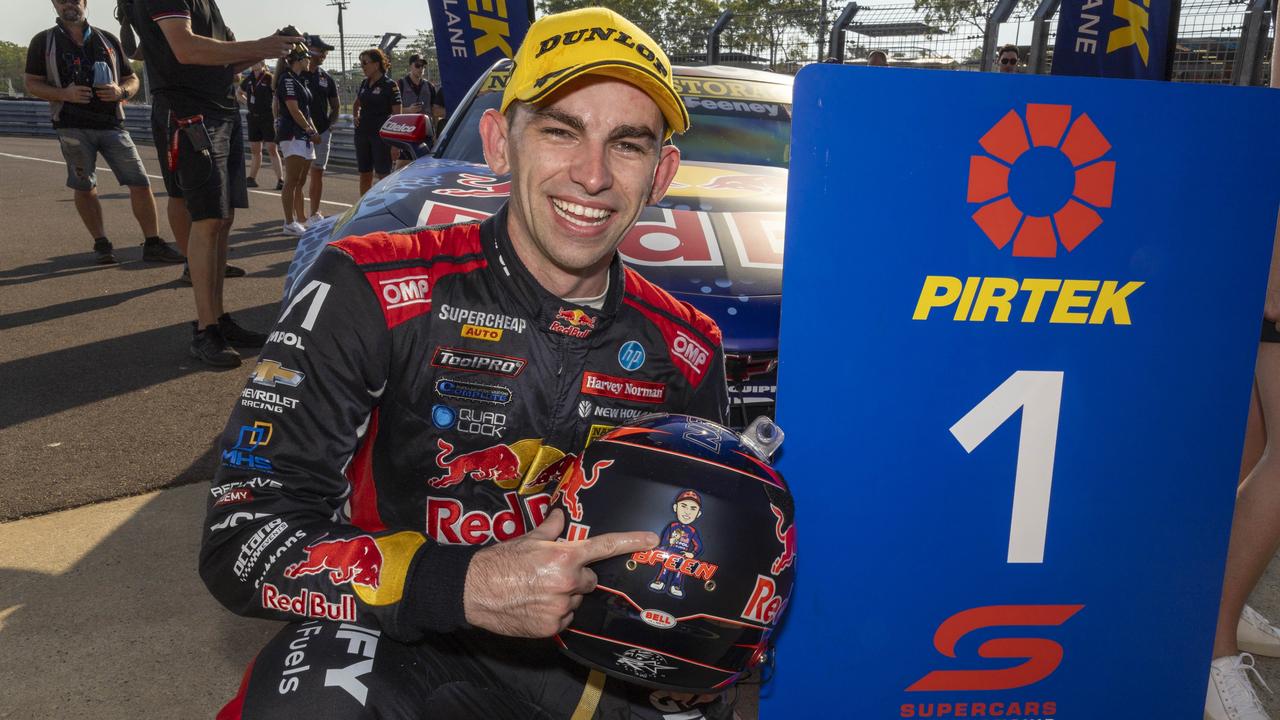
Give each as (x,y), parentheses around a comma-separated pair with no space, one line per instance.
(99,398)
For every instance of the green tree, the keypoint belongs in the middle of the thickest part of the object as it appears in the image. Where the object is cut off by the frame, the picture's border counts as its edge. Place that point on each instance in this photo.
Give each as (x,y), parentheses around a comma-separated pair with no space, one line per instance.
(778,30)
(679,26)
(950,14)
(13,63)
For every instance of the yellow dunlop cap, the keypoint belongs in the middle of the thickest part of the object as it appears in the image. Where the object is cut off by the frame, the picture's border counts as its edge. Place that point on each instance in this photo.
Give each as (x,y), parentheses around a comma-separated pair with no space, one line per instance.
(593,41)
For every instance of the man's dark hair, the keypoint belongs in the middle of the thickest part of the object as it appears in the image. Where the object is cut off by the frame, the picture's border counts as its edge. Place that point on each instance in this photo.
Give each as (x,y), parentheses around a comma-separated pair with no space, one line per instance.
(1010,49)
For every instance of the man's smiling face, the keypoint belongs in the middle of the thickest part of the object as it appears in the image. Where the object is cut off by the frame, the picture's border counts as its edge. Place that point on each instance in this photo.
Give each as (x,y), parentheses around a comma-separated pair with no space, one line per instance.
(583,165)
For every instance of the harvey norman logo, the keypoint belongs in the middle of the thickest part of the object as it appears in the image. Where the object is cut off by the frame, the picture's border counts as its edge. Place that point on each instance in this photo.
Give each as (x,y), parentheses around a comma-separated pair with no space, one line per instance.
(623,388)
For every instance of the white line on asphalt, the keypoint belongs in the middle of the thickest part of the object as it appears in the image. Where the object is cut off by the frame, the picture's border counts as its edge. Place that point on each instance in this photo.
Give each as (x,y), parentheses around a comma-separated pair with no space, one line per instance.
(157,177)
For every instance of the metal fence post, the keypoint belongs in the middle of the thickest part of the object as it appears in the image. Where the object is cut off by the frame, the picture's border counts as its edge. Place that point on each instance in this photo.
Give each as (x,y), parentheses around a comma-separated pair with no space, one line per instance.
(998,17)
(1252,37)
(713,40)
(1040,35)
(837,31)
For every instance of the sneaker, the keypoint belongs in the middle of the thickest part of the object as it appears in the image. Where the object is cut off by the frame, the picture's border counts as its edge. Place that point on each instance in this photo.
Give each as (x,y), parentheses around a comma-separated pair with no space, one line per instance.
(104,253)
(231,271)
(657,585)
(251,182)
(675,591)
(1256,635)
(238,336)
(279,185)
(161,252)
(210,348)
(315,218)
(293,228)
(1231,696)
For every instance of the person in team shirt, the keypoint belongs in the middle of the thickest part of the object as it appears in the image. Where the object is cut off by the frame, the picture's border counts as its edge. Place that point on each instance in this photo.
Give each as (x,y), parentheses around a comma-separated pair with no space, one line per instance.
(324,112)
(377,100)
(295,133)
(257,95)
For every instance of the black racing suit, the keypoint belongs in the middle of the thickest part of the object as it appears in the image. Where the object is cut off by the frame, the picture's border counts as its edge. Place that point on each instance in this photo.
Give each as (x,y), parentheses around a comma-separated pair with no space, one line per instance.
(419,398)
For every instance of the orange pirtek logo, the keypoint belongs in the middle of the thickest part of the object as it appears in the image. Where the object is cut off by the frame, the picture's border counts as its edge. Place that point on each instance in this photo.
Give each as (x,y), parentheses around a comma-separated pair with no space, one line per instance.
(1041,182)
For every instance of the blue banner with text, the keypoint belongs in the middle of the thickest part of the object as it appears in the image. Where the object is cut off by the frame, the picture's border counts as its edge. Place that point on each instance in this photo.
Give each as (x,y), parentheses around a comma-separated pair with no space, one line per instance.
(1114,38)
(1018,331)
(471,35)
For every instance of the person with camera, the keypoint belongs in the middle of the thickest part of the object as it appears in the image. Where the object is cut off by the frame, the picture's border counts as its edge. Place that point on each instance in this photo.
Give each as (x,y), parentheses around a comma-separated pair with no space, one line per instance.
(85,75)
(192,61)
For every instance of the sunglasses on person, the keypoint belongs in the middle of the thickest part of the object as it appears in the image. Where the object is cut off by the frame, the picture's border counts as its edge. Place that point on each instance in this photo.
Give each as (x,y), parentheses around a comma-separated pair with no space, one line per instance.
(419,65)
(1008,61)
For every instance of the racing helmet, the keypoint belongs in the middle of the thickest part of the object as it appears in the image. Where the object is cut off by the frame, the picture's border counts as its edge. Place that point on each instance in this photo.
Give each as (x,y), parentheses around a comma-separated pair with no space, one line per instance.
(696,613)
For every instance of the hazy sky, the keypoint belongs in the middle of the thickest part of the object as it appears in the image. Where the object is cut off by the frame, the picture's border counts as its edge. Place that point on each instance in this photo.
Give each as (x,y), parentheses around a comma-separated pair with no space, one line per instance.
(248,18)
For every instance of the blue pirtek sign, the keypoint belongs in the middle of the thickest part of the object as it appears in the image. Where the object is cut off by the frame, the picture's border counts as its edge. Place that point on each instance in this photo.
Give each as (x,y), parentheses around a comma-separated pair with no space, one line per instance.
(1114,38)
(1017,342)
(472,35)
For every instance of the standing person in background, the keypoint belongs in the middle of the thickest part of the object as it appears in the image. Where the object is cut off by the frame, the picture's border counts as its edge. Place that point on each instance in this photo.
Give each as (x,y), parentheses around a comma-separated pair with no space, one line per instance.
(377,100)
(417,95)
(255,93)
(1008,58)
(192,61)
(88,116)
(324,113)
(295,133)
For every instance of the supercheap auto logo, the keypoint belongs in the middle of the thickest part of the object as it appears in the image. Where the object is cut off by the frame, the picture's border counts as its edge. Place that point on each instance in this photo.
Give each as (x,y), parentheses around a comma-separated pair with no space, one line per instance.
(1042,181)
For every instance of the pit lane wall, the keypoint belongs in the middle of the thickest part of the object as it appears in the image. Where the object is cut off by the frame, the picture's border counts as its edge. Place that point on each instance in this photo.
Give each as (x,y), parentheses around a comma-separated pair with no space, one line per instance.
(1016,357)
(31,118)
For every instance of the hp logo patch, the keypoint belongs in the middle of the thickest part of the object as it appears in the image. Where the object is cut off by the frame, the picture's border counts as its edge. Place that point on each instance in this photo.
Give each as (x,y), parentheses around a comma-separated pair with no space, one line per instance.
(443,416)
(631,356)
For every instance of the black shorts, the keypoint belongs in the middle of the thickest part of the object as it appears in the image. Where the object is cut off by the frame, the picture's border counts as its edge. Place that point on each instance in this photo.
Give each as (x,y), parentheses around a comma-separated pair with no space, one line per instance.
(211,186)
(1269,333)
(321,670)
(372,153)
(262,128)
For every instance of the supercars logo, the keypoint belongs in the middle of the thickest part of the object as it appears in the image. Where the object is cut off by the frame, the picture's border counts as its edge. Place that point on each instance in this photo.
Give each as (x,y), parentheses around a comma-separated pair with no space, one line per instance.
(1040,656)
(574,323)
(1042,181)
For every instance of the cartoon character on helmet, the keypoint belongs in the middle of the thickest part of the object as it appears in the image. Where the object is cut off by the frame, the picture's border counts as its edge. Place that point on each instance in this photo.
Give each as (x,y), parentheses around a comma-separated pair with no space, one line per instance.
(696,613)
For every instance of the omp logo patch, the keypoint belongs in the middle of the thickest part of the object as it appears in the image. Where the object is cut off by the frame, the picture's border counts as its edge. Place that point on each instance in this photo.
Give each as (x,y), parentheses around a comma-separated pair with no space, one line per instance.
(1042,181)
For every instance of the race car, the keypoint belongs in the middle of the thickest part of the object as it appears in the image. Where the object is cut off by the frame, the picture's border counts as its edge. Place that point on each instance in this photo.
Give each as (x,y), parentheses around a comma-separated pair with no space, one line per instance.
(714,241)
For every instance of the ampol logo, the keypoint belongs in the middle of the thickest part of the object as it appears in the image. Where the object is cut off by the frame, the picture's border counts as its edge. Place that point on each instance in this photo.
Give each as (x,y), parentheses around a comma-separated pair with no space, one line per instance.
(1042,182)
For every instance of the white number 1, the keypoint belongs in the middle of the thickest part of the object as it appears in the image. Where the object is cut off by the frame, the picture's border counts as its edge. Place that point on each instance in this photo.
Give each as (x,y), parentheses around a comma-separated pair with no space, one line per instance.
(1039,394)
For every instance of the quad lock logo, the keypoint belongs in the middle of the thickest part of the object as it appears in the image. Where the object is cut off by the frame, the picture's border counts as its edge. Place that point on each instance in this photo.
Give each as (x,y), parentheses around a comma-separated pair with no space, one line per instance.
(1040,185)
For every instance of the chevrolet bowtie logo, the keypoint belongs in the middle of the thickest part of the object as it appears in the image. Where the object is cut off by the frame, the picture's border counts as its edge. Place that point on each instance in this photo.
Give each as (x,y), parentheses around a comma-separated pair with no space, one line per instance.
(271,373)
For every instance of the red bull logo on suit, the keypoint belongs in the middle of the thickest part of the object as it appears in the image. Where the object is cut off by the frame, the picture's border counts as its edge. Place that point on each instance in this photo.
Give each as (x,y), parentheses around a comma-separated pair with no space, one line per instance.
(354,560)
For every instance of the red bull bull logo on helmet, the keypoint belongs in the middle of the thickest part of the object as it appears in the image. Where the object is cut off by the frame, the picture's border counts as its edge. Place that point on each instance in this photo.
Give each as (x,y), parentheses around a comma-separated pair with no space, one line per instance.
(574,482)
(355,561)
(574,323)
(787,538)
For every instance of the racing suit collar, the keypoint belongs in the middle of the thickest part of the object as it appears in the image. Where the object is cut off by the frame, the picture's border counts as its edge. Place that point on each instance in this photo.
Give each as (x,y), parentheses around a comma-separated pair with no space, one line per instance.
(549,312)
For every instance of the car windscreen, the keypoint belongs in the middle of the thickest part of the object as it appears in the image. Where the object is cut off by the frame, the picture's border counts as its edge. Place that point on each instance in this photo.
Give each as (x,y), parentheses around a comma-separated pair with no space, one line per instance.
(725,129)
